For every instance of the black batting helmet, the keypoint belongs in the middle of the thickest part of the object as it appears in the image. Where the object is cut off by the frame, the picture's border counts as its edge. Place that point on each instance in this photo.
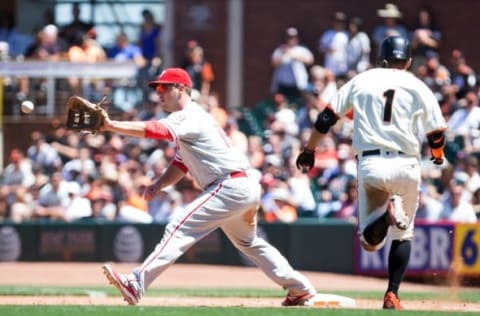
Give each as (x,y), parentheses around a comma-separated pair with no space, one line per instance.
(394,48)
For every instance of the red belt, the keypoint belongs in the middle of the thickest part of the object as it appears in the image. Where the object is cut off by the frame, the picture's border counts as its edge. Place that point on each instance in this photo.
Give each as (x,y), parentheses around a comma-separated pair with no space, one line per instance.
(238,174)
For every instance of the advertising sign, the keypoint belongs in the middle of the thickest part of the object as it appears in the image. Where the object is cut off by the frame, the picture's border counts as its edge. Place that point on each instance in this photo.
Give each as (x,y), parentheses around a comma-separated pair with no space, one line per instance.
(432,252)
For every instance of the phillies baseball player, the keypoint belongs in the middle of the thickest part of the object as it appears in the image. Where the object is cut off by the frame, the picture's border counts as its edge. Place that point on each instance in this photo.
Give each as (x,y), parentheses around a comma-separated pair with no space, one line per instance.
(229,201)
(387,102)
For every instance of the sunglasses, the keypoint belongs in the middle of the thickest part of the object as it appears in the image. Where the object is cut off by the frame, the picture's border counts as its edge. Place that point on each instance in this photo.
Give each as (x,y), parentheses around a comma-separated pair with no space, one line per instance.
(164,87)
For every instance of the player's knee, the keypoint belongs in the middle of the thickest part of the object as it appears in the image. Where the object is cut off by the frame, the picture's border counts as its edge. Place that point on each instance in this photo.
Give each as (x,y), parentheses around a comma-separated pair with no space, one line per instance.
(371,244)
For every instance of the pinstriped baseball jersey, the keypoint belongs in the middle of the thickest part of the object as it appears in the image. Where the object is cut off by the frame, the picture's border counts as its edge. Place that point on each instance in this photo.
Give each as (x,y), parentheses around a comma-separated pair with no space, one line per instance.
(203,146)
(387,106)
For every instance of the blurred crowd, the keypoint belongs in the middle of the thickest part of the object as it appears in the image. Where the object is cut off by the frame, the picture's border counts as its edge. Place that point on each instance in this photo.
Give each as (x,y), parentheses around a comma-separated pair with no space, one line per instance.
(73,176)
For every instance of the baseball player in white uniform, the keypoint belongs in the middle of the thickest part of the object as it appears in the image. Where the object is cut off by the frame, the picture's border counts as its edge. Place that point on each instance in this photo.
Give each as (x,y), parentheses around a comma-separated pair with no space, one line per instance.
(387,103)
(230,197)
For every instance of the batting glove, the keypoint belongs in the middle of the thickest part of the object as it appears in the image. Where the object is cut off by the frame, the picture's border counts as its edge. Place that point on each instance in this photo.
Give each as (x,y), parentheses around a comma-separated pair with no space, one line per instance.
(306,159)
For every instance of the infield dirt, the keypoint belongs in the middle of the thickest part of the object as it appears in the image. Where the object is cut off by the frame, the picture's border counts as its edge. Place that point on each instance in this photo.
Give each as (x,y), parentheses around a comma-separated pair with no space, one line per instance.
(201,276)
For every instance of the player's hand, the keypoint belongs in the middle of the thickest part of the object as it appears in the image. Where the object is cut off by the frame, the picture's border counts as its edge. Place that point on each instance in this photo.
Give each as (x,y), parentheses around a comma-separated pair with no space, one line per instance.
(305,160)
(437,156)
(151,191)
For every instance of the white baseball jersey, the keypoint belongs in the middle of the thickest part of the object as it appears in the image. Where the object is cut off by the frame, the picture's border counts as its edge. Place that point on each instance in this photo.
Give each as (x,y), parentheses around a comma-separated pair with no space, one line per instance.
(228,202)
(203,145)
(387,106)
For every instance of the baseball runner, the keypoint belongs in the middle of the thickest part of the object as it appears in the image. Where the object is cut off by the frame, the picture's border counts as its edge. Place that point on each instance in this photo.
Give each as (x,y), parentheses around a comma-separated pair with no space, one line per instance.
(229,201)
(387,103)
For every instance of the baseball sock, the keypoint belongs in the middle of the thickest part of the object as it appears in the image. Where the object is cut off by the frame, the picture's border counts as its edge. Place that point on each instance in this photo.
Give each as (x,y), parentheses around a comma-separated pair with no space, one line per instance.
(398,259)
(376,231)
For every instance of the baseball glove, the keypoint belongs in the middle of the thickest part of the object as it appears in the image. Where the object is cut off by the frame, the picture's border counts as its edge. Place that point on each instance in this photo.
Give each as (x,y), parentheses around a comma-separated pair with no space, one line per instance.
(84,115)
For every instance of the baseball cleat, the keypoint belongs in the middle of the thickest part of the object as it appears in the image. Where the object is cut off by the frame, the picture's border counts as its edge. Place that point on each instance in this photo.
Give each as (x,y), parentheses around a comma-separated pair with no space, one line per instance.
(128,288)
(297,300)
(397,215)
(391,301)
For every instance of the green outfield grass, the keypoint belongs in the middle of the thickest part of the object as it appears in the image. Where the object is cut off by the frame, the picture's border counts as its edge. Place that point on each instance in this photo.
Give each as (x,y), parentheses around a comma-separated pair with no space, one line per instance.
(71,310)
(200,311)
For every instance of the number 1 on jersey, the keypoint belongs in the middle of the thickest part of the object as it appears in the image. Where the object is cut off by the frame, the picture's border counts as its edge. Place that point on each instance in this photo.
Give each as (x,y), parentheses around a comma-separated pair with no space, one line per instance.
(387,110)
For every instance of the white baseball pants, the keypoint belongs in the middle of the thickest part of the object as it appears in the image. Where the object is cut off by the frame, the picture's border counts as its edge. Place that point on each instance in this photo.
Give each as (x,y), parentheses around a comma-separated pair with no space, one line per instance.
(379,178)
(231,205)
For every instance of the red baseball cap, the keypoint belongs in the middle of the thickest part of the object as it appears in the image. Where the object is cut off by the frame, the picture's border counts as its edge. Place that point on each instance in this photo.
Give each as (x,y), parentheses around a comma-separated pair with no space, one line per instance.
(172,75)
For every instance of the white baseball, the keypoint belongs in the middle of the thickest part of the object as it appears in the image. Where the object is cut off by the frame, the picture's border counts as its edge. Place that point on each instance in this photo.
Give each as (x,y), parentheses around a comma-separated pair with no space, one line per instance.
(27,106)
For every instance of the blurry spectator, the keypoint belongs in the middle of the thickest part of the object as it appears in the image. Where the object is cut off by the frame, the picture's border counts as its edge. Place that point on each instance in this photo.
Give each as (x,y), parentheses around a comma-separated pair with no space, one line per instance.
(149,39)
(290,60)
(45,48)
(349,200)
(284,207)
(23,207)
(100,197)
(321,89)
(15,43)
(127,93)
(165,204)
(464,123)
(66,143)
(464,77)
(338,177)
(238,138)
(43,154)
(4,209)
(429,208)
(358,49)
(426,37)
(326,154)
(200,70)
(40,177)
(390,26)
(134,208)
(216,110)
(278,206)
(457,209)
(18,171)
(4,53)
(301,191)
(77,28)
(81,165)
(77,207)
(255,151)
(284,117)
(323,86)
(16,177)
(470,167)
(435,75)
(85,49)
(327,205)
(333,45)
(55,197)
(476,203)
(126,51)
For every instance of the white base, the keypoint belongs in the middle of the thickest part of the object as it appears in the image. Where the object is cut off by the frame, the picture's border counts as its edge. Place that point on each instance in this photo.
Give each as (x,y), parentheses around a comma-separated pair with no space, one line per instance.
(331,301)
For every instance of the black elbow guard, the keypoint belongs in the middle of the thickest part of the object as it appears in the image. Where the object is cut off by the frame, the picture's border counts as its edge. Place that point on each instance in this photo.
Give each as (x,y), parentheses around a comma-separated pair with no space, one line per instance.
(325,119)
(436,139)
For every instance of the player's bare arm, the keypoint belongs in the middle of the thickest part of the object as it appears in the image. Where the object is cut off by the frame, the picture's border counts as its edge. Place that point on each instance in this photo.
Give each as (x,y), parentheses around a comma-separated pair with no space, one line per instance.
(129,128)
(172,175)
